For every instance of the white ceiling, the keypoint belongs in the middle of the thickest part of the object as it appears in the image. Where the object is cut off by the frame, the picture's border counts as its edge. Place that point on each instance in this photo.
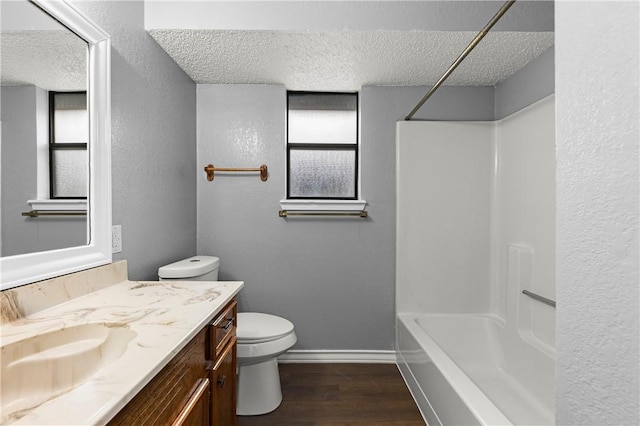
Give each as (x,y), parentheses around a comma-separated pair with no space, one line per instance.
(346,60)
(343,45)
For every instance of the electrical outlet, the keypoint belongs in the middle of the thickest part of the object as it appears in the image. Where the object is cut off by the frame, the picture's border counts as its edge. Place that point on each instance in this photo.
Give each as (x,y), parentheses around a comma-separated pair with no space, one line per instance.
(116,239)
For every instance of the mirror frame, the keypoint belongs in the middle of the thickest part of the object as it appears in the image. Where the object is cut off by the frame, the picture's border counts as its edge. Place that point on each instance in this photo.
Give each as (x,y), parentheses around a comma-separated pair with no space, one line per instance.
(32,267)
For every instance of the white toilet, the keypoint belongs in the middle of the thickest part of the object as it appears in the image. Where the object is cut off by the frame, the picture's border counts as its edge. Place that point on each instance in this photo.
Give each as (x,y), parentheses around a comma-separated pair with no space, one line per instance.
(261,339)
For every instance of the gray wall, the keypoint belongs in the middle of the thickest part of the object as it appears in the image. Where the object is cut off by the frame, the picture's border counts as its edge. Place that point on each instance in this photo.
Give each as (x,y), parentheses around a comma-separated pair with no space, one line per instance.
(20,109)
(153,142)
(333,278)
(597,173)
(530,84)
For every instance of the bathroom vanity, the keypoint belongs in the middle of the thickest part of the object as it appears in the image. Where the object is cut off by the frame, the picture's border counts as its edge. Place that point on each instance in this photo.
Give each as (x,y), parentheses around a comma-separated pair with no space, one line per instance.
(129,352)
(197,387)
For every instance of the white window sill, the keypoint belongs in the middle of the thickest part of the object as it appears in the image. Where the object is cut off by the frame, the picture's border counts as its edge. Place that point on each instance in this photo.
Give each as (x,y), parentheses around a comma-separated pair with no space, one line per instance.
(323,205)
(58,205)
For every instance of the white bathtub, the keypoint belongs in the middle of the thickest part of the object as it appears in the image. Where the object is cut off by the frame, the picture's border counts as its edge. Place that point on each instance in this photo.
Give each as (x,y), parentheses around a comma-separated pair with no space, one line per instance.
(467,369)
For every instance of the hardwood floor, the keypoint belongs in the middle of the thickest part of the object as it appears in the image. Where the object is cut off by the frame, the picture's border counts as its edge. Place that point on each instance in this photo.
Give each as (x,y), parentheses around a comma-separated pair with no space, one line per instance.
(341,394)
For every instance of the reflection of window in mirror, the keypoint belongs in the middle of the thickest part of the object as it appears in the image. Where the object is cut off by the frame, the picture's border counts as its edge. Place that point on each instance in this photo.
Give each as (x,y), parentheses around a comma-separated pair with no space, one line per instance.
(68,137)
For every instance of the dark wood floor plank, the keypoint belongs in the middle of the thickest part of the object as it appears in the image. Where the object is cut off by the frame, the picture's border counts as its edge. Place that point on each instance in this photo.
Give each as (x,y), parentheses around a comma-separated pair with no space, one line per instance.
(341,394)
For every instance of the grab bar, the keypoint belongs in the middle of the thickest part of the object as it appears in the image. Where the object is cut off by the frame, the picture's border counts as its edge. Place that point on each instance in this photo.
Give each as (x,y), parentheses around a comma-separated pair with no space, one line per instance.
(539,298)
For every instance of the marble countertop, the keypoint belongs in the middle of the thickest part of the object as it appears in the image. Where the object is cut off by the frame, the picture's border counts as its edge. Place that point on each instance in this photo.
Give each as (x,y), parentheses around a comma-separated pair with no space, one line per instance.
(163,316)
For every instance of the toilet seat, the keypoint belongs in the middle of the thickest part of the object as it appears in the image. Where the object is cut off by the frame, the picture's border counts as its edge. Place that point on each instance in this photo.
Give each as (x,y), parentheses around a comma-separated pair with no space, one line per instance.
(255,327)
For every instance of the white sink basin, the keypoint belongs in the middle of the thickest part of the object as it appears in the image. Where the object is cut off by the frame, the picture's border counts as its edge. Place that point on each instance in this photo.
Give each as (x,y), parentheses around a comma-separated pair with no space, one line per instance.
(39,368)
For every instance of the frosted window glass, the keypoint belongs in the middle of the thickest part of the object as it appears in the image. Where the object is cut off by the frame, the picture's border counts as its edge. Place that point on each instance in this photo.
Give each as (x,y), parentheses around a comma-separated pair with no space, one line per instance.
(322,137)
(71,118)
(71,171)
(322,126)
(70,100)
(322,173)
(71,126)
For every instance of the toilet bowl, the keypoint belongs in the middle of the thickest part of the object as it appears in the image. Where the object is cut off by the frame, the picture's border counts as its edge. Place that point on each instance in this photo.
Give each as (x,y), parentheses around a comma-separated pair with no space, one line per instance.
(261,339)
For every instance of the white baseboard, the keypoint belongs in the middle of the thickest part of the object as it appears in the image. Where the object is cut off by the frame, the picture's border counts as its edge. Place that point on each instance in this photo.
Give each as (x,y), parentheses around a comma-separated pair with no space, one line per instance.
(338,356)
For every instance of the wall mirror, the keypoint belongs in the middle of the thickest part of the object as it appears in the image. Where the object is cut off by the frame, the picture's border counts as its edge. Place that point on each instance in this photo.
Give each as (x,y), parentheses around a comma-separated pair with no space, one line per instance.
(55,112)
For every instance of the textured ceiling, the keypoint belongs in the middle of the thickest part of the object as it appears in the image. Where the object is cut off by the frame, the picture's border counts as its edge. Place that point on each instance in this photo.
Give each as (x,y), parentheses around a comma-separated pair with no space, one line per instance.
(346,60)
(36,49)
(52,60)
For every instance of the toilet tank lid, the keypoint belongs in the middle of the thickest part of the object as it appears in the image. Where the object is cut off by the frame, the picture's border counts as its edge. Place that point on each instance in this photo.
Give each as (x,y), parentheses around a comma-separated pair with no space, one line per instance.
(191,267)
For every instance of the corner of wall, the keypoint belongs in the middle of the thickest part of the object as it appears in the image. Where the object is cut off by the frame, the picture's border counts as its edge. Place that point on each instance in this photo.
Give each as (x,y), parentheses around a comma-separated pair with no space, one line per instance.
(530,84)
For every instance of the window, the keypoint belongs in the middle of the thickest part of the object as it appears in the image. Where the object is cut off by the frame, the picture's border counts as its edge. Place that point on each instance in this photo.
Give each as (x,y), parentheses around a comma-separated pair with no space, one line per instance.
(322,145)
(68,137)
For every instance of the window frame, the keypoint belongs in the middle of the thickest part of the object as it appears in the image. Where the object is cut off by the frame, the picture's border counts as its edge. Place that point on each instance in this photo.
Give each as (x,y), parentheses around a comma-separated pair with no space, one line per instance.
(53,146)
(355,147)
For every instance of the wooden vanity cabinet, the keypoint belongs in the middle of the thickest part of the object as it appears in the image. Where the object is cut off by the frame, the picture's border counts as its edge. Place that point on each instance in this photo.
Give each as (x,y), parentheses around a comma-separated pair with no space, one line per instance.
(197,387)
(197,410)
(223,348)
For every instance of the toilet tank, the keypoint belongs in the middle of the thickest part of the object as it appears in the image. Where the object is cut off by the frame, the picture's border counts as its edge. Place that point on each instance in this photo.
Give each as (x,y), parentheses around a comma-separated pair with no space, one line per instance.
(196,268)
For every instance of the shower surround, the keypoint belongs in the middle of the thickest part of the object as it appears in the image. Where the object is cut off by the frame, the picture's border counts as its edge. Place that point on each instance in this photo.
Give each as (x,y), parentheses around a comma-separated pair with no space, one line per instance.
(475,227)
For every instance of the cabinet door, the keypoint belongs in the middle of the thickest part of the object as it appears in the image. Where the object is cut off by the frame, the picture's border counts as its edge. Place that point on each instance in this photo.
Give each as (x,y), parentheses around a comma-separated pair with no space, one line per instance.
(196,411)
(164,398)
(223,329)
(223,388)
